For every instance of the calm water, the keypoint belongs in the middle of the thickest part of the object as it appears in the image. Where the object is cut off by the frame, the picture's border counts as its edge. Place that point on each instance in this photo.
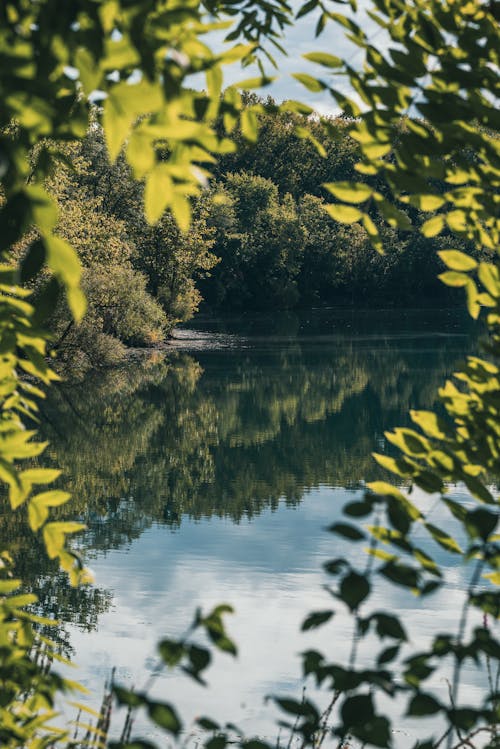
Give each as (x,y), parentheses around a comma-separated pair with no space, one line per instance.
(209,475)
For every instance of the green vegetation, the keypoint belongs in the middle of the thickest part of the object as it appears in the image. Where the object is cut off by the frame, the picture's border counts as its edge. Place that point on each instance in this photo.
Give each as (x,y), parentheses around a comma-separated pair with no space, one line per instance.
(426,137)
(255,241)
(139,280)
(279,248)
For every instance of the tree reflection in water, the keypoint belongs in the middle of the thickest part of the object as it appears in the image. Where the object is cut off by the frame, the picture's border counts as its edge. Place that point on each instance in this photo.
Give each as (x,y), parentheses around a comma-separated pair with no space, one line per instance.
(222,431)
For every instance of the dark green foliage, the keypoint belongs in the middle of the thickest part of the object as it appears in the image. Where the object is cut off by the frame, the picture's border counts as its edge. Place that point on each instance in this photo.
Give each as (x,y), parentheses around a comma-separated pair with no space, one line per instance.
(425,135)
(140,280)
(273,190)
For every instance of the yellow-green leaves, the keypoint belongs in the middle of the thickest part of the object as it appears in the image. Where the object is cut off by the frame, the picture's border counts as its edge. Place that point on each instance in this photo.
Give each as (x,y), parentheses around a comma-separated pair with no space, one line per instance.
(350,192)
(427,202)
(38,508)
(433,226)
(344,214)
(90,73)
(157,192)
(54,535)
(249,125)
(325,59)
(430,423)
(489,275)
(124,104)
(63,261)
(311,83)
(394,216)
(252,83)
(43,208)
(452,278)
(456,260)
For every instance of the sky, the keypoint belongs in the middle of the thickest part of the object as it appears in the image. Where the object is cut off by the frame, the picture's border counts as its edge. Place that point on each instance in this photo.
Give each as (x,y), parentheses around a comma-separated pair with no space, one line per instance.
(300,39)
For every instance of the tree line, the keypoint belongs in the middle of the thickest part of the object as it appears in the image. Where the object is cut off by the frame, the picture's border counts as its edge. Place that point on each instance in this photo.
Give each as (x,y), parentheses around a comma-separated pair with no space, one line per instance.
(259,239)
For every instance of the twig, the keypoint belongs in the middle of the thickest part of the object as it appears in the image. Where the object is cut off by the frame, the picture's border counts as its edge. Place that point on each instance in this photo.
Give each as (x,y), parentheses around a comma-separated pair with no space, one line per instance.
(467,739)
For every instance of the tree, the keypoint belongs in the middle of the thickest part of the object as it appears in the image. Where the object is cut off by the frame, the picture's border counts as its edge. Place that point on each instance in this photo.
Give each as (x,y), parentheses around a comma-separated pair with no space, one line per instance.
(442,67)
(259,240)
(171,259)
(119,310)
(417,103)
(53,56)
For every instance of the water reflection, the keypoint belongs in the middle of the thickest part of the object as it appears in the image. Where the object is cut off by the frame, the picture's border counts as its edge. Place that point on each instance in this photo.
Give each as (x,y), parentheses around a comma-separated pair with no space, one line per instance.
(264,424)
(231,432)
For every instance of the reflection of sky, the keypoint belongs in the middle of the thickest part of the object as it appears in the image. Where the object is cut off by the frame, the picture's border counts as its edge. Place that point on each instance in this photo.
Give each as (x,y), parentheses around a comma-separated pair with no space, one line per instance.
(269,569)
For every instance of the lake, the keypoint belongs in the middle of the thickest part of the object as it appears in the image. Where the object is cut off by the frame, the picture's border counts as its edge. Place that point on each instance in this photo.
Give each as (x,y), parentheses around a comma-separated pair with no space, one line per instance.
(209,474)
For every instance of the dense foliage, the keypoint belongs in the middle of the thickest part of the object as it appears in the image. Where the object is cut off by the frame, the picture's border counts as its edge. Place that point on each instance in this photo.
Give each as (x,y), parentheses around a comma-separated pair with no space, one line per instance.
(258,239)
(53,55)
(279,248)
(139,279)
(439,73)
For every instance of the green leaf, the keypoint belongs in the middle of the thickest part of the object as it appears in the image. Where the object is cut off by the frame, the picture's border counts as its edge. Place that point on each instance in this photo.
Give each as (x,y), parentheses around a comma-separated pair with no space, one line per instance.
(472,296)
(481,523)
(344,214)
(164,716)
(489,276)
(457,221)
(251,83)
(9,586)
(249,125)
(443,539)
(433,226)
(423,704)
(158,192)
(453,278)
(217,742)
(325,59)
(38,508)
(357,509)
(394,216)
(354,589)
(316,619)
(128,697)
(388,655)
(347,531)
(33,261)
(409,441)
(478,489)
(401,574)
(427,202)
(349,192)
(312,84)
(456,260)
(308,7)
(54,536)
(40,475)
(207,724)
(304,708)
(464,718)
(388,625)
(124,104)
(64,262)
(430,423)
(457,510)
(90,72)
(357,710)
(171,652)
(200,657)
